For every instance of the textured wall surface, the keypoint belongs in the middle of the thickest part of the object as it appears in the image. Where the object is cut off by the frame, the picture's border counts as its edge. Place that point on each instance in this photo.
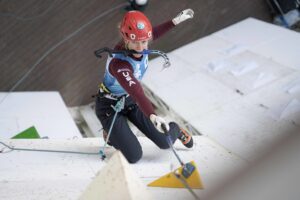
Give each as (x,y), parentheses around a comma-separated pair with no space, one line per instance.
(49,45)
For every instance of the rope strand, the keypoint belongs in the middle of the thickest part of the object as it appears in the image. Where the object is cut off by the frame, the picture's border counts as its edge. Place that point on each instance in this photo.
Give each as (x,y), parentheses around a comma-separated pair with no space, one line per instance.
(118,107)
(45,150)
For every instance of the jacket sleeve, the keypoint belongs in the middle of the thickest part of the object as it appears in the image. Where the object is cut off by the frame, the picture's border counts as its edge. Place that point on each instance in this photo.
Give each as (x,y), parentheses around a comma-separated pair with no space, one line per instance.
(161,29)
(122,71)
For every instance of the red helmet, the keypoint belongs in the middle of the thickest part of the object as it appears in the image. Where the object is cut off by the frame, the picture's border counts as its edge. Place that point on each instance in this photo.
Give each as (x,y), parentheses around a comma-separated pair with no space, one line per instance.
(135,26)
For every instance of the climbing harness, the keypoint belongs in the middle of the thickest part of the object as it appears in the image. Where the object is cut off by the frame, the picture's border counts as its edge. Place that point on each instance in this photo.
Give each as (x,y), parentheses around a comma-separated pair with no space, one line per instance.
(104,92)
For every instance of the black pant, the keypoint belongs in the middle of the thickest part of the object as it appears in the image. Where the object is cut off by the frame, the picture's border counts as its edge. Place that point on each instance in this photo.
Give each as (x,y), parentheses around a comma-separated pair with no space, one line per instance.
(121,137)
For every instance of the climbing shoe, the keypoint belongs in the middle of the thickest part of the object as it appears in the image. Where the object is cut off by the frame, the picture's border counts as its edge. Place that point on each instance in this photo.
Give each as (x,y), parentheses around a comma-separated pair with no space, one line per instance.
(186,138)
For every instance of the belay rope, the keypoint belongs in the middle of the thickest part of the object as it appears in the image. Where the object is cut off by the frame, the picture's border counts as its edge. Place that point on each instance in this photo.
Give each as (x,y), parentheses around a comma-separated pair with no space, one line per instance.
(118,107)
(130,52)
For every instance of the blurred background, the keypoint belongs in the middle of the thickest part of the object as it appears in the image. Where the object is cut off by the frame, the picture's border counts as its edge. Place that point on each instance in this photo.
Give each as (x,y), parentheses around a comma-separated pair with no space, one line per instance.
(48,45)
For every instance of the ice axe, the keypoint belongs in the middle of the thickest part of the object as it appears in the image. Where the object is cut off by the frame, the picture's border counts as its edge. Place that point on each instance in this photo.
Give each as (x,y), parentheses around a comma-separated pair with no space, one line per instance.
(186,176)
(188,168)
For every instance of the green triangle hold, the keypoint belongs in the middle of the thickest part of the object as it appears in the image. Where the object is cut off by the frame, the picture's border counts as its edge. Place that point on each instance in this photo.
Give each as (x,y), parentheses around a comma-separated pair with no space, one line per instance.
(30,133)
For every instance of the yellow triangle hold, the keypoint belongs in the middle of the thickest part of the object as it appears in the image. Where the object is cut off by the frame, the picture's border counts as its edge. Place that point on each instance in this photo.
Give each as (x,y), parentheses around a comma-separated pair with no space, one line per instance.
(171,181)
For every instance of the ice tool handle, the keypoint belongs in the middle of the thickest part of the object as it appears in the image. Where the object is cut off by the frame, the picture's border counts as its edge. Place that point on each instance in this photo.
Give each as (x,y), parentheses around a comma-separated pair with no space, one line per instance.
(169,140)
(188,168)
(130,52)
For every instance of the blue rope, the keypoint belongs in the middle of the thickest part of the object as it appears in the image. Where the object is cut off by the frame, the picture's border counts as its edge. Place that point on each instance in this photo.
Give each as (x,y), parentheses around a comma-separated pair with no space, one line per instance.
(118,107)
(45,150)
